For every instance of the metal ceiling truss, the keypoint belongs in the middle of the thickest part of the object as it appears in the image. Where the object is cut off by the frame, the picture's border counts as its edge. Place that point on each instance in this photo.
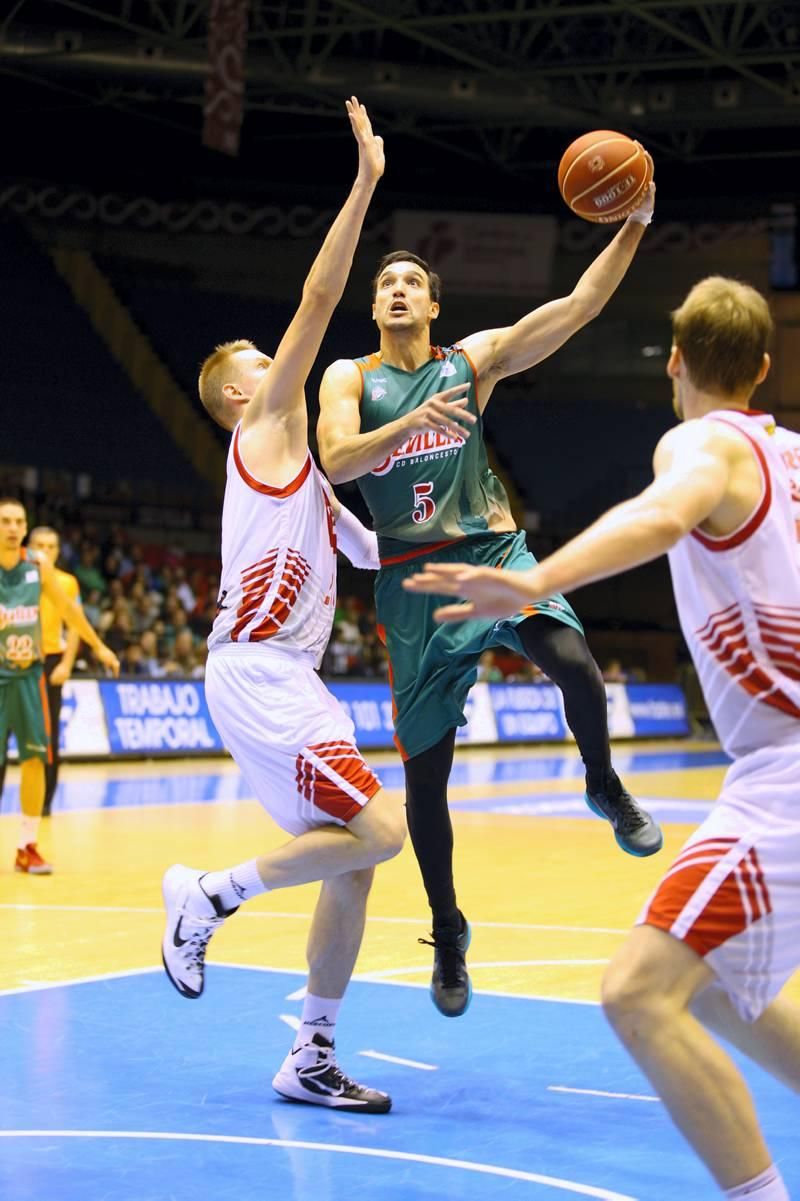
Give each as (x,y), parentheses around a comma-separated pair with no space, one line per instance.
(480,79)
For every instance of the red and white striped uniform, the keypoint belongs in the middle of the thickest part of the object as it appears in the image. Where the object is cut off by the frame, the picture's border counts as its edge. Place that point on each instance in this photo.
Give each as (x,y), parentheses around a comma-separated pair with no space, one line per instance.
(278,580)
(738,599)
(733,893)
(289,735)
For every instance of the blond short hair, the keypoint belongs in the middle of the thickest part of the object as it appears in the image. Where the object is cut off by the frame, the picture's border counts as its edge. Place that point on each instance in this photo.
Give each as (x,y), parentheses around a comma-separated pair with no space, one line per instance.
(216,372)
(722,330)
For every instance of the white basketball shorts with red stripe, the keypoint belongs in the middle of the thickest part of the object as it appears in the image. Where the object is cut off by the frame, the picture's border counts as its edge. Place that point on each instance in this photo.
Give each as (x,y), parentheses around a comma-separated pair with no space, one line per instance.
(290,737)
(733,893)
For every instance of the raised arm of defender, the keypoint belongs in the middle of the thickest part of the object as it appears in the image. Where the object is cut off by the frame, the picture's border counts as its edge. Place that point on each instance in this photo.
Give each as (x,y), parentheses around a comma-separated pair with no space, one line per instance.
(705,475)
(498,353)
(283,384)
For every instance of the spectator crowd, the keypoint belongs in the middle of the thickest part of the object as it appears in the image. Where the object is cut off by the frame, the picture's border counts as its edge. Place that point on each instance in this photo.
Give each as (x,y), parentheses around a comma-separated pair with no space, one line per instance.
(155,606)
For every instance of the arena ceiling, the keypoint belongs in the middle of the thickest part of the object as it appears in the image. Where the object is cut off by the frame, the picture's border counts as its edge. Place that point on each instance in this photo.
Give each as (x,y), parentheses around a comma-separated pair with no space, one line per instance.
(476,98)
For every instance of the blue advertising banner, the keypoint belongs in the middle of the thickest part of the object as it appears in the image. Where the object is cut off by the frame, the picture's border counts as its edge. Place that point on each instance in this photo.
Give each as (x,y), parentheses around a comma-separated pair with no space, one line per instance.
(152,716)
(657,709)
(369,707)
(527,711)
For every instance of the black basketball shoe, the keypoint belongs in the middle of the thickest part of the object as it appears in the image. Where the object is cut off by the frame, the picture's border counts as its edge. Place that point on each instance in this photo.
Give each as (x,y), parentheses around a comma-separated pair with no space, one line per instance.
(451,987)
(634,829)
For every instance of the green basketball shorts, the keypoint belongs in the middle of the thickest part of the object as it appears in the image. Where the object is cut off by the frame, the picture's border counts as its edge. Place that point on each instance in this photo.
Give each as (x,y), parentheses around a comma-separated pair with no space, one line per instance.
(24,709)
(433,667)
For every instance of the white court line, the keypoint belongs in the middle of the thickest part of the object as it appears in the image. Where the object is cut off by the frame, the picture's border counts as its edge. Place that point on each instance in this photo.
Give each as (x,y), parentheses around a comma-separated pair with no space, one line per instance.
(291,1020)
(39,986)
(406,1063)
(597,1092)
(299,994)
(399,921)
(287,971)
(388,972)
(465,1165)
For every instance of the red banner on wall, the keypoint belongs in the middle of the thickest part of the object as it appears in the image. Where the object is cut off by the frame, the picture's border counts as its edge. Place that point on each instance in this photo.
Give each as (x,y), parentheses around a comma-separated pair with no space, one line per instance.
(223,106)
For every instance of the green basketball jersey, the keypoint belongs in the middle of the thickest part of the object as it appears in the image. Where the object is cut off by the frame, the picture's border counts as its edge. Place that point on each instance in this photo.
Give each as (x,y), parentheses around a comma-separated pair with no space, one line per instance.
(436,487)
(20,630)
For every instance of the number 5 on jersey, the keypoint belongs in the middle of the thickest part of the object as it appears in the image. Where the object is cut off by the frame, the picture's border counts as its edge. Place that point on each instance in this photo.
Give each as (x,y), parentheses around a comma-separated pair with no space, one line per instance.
(424,505)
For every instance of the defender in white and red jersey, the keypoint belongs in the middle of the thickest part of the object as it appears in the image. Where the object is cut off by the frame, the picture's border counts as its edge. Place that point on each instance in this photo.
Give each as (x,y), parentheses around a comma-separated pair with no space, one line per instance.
(291,738)
(720,936)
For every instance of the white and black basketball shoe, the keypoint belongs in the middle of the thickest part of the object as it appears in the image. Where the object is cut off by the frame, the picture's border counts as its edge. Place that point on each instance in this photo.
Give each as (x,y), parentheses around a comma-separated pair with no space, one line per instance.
(310,1073)
(192,917)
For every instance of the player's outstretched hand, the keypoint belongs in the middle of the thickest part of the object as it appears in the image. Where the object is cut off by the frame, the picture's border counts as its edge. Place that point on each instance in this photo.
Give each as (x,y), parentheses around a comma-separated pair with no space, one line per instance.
(487,591)
(370,147)
(443,413)
(644,213)
(108,658)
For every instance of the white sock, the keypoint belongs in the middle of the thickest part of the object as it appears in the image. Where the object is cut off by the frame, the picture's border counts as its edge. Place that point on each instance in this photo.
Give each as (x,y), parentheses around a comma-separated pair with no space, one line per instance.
(234,885)
(319,1017)
(28,830)
(768,1186)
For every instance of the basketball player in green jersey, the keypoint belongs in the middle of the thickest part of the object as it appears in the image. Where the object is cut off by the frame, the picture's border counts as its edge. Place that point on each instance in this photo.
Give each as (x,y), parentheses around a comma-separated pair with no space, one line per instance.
(24,579)
(406,424)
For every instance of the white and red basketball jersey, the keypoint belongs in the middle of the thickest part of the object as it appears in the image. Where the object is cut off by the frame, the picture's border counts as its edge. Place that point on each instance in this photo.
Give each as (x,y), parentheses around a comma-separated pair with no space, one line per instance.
(738,599)
(788,444)
(278,584)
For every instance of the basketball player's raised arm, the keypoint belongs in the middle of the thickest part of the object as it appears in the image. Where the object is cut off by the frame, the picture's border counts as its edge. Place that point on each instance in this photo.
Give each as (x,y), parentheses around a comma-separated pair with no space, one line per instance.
(73,615)
(498,353)
(692,467)
(282,389)
(346,453)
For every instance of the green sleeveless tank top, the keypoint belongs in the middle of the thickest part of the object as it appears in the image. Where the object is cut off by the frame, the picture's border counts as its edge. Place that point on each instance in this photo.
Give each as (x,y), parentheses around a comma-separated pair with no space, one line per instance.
(436,487)
(20,630)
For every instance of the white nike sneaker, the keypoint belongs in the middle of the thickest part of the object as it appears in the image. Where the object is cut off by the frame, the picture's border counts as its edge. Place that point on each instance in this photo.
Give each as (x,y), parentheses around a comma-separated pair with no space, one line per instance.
(192,917)
(310,1073)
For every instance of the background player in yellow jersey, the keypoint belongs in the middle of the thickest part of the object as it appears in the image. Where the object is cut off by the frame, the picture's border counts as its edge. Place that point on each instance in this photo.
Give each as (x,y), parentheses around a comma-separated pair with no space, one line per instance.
(25,580)
(417,454)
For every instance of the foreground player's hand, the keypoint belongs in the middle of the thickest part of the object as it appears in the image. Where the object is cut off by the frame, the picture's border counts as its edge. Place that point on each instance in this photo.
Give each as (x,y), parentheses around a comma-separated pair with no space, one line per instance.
(108,658)
(370,147)
(444,412)
(487,591)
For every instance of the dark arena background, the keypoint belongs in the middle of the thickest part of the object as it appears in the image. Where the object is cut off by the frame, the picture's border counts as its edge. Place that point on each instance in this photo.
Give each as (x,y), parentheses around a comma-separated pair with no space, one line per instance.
(168,172)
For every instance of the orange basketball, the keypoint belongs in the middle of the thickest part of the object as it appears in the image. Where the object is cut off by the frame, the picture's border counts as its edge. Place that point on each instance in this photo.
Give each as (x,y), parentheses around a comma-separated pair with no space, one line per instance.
(604,175)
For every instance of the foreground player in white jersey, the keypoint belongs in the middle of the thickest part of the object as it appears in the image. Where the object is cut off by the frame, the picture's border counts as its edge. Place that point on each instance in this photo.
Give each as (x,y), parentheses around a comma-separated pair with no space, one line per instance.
(788,444)
(721,934)
(288,734)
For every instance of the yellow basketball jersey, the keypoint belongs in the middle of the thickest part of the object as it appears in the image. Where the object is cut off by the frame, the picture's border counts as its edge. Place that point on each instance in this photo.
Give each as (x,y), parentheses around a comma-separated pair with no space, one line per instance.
(53,640)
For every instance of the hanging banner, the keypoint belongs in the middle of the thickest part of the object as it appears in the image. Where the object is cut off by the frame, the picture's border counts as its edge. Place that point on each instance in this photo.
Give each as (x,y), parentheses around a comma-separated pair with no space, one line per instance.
(223,106)
(481,254)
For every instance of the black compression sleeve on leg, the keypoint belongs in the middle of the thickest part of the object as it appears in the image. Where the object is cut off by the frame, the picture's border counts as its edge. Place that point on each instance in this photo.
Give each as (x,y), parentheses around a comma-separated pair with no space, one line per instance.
(564,656)
(430,827)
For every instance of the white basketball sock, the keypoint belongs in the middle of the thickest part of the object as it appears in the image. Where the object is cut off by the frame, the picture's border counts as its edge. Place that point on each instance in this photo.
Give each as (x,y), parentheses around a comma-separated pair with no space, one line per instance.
(319,1017)
(768,1186)
(234,885)
(28,830)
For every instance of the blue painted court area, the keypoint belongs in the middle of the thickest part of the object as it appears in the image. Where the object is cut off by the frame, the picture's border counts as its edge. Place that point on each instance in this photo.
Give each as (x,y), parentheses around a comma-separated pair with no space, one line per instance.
(137,1095)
